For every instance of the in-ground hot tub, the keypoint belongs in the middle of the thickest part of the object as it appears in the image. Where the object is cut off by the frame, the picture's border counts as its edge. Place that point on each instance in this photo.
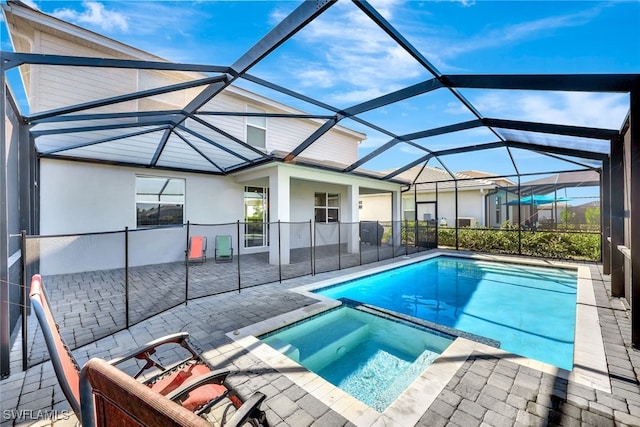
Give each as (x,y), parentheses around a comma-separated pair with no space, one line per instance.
(371,357)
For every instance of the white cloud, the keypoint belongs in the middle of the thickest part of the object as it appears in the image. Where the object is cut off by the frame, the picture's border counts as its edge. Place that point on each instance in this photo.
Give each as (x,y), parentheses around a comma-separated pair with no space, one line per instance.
(95,14)
(572,108)
(354,56)
(414,151)
(373,142)
(466,3)
(32,4)
(513,34)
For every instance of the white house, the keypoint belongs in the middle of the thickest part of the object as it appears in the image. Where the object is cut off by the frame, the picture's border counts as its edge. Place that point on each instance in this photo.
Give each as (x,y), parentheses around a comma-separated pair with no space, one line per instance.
(480,199)
(119,179)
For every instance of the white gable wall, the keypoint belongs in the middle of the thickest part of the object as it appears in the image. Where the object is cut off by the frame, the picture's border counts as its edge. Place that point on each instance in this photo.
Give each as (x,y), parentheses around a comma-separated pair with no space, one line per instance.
(57,86)
(284,134)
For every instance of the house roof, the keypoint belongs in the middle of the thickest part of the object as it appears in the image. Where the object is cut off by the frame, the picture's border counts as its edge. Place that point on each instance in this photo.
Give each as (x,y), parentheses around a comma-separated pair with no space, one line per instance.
(159,131)
(549,184)
(424,179)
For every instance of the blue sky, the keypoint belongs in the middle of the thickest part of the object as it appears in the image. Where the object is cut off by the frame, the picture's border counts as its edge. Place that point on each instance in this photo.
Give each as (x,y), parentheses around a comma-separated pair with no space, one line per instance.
(343,59)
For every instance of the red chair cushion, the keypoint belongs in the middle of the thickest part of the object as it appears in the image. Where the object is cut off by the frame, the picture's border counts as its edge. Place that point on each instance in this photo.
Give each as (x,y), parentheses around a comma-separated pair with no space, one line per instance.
(198,397)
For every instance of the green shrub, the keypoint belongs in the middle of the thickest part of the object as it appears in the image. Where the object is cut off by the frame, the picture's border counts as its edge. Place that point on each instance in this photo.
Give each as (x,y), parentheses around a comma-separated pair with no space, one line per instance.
(547,244)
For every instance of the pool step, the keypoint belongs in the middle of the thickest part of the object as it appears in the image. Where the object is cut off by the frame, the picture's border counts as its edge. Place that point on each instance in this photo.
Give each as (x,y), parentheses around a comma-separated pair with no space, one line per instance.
(285,348)
(331,341)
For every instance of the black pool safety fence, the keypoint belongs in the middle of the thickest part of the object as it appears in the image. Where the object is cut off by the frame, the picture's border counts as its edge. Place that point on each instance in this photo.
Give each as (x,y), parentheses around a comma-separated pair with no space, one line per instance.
(101,283)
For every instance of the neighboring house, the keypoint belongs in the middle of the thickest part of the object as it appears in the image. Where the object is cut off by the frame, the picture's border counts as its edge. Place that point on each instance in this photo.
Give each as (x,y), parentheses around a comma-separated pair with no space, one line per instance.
(80,195)
(480,199)
(544,200)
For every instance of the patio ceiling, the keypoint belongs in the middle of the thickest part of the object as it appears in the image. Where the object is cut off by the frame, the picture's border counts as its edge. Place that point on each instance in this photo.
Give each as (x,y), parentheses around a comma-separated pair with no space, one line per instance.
(188,139)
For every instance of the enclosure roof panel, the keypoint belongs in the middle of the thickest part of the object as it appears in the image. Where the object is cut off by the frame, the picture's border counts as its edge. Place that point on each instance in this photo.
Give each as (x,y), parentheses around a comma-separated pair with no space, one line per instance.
(194,122)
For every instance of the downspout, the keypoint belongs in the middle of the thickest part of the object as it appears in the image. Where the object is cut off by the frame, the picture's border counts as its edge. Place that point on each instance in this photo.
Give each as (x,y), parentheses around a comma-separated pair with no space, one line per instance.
(484,204)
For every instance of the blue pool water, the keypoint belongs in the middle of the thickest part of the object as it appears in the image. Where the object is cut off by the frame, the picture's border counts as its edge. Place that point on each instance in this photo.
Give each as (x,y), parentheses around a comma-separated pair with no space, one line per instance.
(530,310)
(370,357)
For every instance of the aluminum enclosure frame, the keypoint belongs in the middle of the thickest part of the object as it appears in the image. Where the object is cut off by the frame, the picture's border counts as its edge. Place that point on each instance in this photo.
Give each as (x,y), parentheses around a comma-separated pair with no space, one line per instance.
(221,77)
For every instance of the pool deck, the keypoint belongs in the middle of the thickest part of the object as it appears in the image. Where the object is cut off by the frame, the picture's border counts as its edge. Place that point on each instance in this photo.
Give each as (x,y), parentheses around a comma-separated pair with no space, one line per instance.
(472,385)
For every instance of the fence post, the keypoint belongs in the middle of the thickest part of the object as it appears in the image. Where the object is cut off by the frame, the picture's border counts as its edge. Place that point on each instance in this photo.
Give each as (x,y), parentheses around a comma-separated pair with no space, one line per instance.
(406,237)
(519,219)
(186,265)
(279,254)
(339,248)
(360,240)
(456,223)
(23,297)
(315,242)
(238,257)
(313,273)
(378,238)
(126,276)
(393,237)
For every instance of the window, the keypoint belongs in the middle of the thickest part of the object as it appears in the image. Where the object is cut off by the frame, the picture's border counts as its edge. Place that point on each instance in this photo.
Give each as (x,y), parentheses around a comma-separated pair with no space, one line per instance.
(498,209)
(327,207)
(256,128)
(256,216)
(159,201)
(408,209)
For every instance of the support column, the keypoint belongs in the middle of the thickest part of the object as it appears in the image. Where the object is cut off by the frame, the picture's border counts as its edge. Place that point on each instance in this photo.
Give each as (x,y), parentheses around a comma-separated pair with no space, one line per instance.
(5,333)
(617,217)
(279,210)
(352,218)
(634,212)
(605,216)
(396,217)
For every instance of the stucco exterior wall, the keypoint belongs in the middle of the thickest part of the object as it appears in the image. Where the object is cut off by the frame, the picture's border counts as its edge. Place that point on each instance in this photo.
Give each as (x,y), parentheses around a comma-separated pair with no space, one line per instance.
(375,207)
(80,197)
(470,205)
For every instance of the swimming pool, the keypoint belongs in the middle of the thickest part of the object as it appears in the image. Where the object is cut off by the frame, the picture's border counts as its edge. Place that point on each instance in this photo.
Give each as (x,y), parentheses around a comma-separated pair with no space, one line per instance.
(530,310)
(369,356)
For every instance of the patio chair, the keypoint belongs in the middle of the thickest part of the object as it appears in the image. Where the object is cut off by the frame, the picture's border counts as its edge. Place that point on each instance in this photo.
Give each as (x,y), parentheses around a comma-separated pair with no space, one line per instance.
(197,250)
(162,379)
(224,249)
(112,398)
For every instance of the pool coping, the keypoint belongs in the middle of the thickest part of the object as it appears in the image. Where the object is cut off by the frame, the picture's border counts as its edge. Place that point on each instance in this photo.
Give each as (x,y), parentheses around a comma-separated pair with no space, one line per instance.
(590,367)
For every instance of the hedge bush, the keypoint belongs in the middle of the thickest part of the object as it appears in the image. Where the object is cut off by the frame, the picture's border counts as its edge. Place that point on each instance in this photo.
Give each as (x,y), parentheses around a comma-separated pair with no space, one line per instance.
(547,244)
